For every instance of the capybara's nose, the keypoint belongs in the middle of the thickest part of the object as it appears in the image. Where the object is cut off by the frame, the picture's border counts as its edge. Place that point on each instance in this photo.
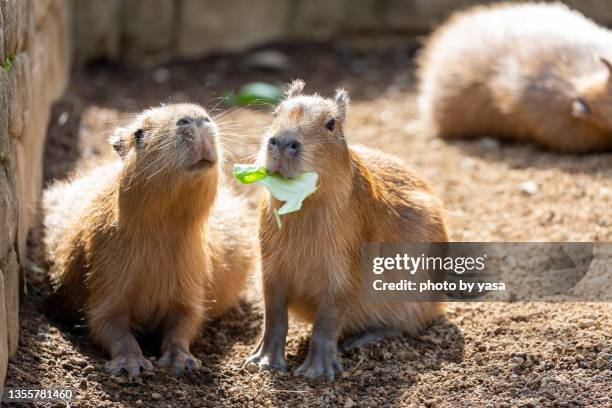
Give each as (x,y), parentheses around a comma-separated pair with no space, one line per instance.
(283,149)
(204,149)
(190,121)
(272,143)
(186,121)
(287,147)
(292,148)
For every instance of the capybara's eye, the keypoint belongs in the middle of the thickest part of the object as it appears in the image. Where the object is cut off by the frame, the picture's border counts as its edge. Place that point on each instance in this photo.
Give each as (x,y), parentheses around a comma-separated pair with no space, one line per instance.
(206,119)
(272,142)
(138,135)
(330,124)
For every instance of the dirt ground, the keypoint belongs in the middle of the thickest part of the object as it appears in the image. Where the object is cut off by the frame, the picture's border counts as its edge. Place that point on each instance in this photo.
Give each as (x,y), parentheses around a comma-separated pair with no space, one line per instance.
(480,355)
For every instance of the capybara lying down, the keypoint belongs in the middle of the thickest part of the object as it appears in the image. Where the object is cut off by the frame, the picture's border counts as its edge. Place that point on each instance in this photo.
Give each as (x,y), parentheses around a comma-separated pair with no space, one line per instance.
(150,242)
(534,72)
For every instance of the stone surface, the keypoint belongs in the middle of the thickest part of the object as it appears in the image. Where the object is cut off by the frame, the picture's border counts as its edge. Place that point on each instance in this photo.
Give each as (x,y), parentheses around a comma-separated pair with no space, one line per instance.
(96,29)
(5,98)
(419,16)
(35,58)
(148,30)
(8,206)
(19,76)
(212,25)
(2,56)
(10,275)
(319,19)
(40,8)
(8,199)
(363,16)
(9,27)
(18,24)
(49,72)
(4,353)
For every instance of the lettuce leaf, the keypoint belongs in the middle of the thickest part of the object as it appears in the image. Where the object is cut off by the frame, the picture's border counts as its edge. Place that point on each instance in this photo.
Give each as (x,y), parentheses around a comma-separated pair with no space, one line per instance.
(291,191)
(249,173)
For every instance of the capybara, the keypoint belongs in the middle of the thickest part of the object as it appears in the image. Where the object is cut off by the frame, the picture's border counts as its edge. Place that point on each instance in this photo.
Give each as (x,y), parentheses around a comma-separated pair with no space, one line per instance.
(531,72)
(312,265)
(150,242)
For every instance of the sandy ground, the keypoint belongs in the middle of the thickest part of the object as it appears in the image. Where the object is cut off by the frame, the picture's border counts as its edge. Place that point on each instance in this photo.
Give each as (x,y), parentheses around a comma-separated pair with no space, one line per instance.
(481,355)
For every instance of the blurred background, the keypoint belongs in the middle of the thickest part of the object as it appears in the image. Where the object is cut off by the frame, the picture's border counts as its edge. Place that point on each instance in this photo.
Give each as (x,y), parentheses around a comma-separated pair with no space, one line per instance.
(145,32)
(72,70)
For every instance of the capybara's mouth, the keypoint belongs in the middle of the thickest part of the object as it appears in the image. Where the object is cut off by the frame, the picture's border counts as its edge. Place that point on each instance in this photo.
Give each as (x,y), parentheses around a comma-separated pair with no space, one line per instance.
(201,165)
(281,171)
(288,174)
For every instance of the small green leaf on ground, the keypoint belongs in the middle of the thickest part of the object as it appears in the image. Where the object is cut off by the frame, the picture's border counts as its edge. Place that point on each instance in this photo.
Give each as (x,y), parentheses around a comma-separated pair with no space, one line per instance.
(256,93)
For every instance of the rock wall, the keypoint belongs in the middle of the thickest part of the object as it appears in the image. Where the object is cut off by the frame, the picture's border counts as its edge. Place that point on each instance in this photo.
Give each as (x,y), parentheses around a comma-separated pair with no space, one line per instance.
(146,32)
(34,58)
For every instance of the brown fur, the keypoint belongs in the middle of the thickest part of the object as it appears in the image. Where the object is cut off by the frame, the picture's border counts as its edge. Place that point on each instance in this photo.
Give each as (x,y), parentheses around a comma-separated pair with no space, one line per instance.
(139,244)
(362,196)
(533,72)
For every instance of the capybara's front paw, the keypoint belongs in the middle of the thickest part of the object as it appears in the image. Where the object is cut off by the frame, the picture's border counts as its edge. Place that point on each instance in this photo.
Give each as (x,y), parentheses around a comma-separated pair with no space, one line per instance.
(320,361)
(180,360)
(267,358)
(131,363)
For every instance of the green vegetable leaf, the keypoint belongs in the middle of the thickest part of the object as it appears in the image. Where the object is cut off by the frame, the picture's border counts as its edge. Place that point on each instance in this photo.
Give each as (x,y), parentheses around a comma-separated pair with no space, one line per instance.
(292,191)
(248,173)
(256,93)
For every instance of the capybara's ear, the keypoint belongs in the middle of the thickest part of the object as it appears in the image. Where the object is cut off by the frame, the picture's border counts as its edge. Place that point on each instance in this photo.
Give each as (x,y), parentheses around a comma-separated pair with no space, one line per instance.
(117,140)
(342,100)
(608,65)
(295,88)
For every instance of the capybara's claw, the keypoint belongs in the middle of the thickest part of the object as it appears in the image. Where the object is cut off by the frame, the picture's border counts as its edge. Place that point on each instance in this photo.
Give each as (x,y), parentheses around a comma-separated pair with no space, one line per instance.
(180,360)
(132,364)
(267,360)
(318,363)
